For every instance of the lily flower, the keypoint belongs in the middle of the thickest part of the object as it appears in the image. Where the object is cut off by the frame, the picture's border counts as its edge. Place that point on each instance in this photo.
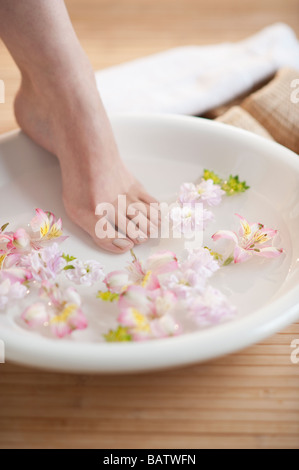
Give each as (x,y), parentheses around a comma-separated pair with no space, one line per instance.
(143,274)
(36,315)
(47,228)
(61,310)
(20,240)
(251,240)
(16,274)
(148,314)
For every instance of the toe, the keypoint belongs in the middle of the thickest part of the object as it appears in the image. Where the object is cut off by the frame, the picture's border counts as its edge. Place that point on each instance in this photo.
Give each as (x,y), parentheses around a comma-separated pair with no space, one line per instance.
(110,239)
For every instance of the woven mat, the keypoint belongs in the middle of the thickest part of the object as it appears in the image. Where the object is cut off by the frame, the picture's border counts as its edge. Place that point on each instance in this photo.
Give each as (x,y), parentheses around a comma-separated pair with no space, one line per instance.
(272,111)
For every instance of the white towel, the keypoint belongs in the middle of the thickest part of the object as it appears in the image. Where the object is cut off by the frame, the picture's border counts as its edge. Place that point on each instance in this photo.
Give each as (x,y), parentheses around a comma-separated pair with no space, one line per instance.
(194,79)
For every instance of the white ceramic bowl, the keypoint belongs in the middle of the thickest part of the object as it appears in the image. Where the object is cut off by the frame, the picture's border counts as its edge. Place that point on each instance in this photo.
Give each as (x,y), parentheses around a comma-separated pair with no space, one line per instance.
(164,151)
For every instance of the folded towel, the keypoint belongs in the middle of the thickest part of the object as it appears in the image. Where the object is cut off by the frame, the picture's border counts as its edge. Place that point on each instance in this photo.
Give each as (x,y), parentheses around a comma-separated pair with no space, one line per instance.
(194,79)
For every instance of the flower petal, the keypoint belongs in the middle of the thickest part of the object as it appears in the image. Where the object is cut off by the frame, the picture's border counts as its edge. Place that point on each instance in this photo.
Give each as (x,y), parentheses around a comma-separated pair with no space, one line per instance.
(117,281)
(40,223)
(245,230)
(36,315)
(241,255)
(225,234)
(162,262)
(269,252)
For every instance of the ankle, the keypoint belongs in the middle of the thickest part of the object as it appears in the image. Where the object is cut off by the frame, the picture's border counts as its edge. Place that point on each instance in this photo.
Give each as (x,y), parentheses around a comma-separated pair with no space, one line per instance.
(60,79)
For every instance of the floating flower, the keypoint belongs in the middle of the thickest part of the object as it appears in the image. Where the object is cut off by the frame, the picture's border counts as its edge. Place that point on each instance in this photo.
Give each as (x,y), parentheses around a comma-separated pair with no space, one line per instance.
(148,314)
(252,240)
(85,272)
(10,290)
(202,261)
(190,218)
(36,315)
(47,228)
(205,192)
(144,274)
(210,308)
(190,279)
(61,311)
(46,263)
(20,239)
(15,274)
(117,281)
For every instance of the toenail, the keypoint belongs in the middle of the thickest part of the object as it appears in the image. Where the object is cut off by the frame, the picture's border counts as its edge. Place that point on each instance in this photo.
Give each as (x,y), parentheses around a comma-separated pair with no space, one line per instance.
(141,239)
(122,243)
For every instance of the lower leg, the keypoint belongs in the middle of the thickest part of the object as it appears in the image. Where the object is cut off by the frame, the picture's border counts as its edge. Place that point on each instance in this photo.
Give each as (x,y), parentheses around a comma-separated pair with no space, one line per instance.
(59,107)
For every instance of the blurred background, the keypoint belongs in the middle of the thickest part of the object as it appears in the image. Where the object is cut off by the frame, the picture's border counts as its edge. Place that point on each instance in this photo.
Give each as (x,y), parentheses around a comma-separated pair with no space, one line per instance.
(115,31)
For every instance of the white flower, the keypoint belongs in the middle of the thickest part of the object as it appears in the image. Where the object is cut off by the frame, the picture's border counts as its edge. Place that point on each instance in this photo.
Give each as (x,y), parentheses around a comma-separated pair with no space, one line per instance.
(205,192)
(190,218)
(85,272)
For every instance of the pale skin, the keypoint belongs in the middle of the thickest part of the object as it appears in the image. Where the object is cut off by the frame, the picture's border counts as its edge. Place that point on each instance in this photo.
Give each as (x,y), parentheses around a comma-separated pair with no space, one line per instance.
(59,107)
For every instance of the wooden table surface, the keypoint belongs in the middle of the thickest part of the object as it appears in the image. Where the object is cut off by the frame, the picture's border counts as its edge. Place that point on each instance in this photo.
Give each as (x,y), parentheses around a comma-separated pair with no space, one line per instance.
(246,400)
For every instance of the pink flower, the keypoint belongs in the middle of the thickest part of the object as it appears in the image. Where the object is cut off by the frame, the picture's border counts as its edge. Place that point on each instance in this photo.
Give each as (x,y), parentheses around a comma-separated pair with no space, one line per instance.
(10,290)
(69,318)
(36,315)
(20,240)
(47,228)
(211,307)
(252,240)
(44,264)
(117,281)
(15,274)
(61,311)
(205,192)
(68,314)
(185,283)
(144,274)
(201,261)
(148,314)
(190,279)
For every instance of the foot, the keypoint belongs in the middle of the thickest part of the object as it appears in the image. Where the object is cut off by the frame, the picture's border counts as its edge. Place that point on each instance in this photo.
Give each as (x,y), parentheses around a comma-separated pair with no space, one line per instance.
(68,119)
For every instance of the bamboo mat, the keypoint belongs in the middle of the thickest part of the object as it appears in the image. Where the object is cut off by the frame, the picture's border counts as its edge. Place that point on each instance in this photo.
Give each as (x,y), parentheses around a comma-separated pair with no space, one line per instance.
(246,400)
